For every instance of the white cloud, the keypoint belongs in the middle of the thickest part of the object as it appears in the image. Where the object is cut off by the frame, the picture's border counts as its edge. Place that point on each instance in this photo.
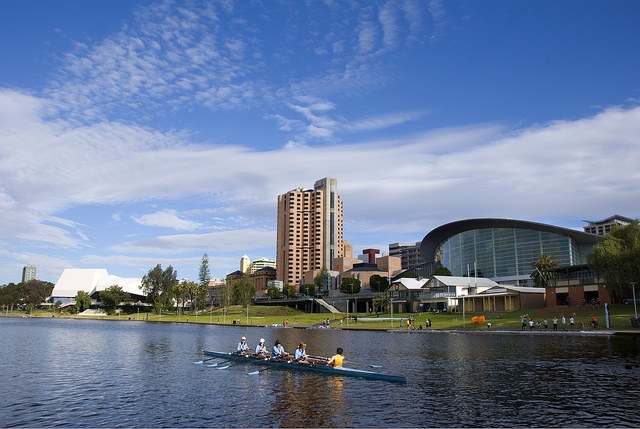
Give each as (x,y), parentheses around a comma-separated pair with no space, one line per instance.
(227,241)
(383,121)
(167,219)
(545,169)
(106,136)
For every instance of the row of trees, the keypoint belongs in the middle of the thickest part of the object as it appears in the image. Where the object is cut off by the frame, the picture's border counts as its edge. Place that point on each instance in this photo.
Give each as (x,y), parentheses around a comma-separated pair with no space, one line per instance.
(163,289)
(26,295)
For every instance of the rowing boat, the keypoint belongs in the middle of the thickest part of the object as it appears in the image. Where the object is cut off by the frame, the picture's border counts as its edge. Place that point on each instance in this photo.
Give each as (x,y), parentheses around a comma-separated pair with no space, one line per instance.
(312,367)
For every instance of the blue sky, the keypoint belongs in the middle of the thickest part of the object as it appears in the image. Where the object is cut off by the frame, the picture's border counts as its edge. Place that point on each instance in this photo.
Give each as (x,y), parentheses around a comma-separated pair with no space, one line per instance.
(137,133)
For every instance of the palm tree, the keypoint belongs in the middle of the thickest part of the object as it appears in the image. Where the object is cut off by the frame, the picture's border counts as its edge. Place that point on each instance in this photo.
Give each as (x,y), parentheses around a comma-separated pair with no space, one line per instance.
(543,273)
(380,301)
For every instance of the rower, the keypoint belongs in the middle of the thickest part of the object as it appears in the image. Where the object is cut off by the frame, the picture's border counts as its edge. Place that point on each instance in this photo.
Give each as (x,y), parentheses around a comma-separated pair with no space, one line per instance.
(300,354)
(278,351)
(337,359)
(243,347)
(261,350)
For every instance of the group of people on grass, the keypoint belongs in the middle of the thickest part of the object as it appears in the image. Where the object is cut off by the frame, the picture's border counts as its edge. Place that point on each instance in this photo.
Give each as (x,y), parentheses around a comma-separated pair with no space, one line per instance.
(278,352)
(572,322)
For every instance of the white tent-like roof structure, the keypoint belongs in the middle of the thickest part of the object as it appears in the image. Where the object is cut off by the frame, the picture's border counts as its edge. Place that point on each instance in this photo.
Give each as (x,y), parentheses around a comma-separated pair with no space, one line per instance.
(92,280)
(411,283)
(462,282)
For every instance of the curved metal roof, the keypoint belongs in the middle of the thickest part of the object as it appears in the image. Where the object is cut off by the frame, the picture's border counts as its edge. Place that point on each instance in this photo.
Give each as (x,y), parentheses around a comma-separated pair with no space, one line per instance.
(433,239)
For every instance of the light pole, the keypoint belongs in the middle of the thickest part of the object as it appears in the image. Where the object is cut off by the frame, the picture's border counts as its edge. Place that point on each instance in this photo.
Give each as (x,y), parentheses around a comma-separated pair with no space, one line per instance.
(390,298)
(635,308)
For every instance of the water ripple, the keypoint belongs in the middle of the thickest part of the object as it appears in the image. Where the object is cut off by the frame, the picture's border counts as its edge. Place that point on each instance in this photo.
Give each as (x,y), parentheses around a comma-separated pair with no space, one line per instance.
(73,373)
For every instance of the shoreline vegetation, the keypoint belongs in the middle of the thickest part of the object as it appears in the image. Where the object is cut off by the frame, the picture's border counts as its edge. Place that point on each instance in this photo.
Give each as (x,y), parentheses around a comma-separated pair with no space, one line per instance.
(263,316)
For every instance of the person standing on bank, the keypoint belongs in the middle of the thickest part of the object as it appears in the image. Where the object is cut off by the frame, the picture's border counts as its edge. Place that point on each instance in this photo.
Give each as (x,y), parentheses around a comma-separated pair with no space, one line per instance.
(337,359)
(243,347)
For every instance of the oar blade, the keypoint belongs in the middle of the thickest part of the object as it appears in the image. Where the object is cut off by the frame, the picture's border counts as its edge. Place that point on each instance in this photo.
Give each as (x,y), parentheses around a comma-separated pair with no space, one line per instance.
(222,367)
(213,365)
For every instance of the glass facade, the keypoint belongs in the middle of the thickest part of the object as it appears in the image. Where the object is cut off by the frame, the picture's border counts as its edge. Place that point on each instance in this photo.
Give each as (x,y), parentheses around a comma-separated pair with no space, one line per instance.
(507,252)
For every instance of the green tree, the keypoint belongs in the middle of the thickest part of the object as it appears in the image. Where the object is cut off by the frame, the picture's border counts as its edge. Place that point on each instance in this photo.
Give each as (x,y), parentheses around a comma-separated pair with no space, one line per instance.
(83,301)
(617,258)
(159,287)
(289,291)
(321,280)
(203,287)
(380,301)
(543,274)
(205,275)
(308,289)
(10,295)
(200,293)
(242,291)
(111,297)
(378,283)
(35,292)
(182,295)
(350,285)
(223,294)
(441,271)
(273,292)
(193,293)
(408,275)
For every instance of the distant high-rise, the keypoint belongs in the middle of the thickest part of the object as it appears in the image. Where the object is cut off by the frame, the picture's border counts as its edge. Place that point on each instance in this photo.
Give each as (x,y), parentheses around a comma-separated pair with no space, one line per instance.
(28,273)
(603,227)
(244,263)
(261,263)
(309,230)
(409,253)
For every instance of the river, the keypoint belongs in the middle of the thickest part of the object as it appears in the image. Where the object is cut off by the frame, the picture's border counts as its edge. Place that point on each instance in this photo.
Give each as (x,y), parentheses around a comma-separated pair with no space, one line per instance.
(91,373)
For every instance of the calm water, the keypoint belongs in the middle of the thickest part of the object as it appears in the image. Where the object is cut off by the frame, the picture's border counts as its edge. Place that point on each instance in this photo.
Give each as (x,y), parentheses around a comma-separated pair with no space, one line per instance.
(83,373)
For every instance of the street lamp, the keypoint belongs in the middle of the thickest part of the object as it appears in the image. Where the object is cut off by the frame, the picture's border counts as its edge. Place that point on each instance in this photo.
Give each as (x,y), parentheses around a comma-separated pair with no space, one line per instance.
(635,308)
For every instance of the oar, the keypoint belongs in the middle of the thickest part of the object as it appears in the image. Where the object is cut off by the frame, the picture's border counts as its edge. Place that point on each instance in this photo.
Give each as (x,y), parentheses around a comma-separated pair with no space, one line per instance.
(222,367)
(318,357)
(213,365)
(365,364)
(258,371)
(200,362)
(348,361)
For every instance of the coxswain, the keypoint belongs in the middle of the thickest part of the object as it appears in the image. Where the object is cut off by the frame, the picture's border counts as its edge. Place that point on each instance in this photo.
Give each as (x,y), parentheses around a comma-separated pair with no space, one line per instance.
(337,359)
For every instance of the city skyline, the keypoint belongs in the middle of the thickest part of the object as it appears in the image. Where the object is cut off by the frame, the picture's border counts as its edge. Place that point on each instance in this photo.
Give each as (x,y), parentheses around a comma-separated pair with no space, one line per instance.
(144,132)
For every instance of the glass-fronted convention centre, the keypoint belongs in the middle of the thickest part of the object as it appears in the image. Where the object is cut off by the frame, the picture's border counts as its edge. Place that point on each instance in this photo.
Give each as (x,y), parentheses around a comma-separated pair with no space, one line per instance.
(501,249)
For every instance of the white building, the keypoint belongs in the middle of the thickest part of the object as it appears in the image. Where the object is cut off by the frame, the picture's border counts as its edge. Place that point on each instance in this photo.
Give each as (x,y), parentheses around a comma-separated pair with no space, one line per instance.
(92,281)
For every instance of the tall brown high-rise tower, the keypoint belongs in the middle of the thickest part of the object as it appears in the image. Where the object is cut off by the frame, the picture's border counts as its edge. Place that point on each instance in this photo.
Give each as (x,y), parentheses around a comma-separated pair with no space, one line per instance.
(309,230)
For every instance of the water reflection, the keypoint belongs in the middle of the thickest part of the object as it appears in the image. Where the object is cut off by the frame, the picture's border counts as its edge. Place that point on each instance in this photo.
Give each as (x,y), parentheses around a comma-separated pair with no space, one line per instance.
(309,401)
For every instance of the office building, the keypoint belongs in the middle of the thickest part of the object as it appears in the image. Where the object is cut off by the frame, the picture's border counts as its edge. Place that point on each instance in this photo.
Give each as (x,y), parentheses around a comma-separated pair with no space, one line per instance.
(28,273)
(603,227)
(409,253)
(309,230)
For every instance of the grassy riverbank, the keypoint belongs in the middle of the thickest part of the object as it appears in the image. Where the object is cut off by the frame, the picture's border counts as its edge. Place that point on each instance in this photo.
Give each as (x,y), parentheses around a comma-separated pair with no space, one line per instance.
(620,316)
